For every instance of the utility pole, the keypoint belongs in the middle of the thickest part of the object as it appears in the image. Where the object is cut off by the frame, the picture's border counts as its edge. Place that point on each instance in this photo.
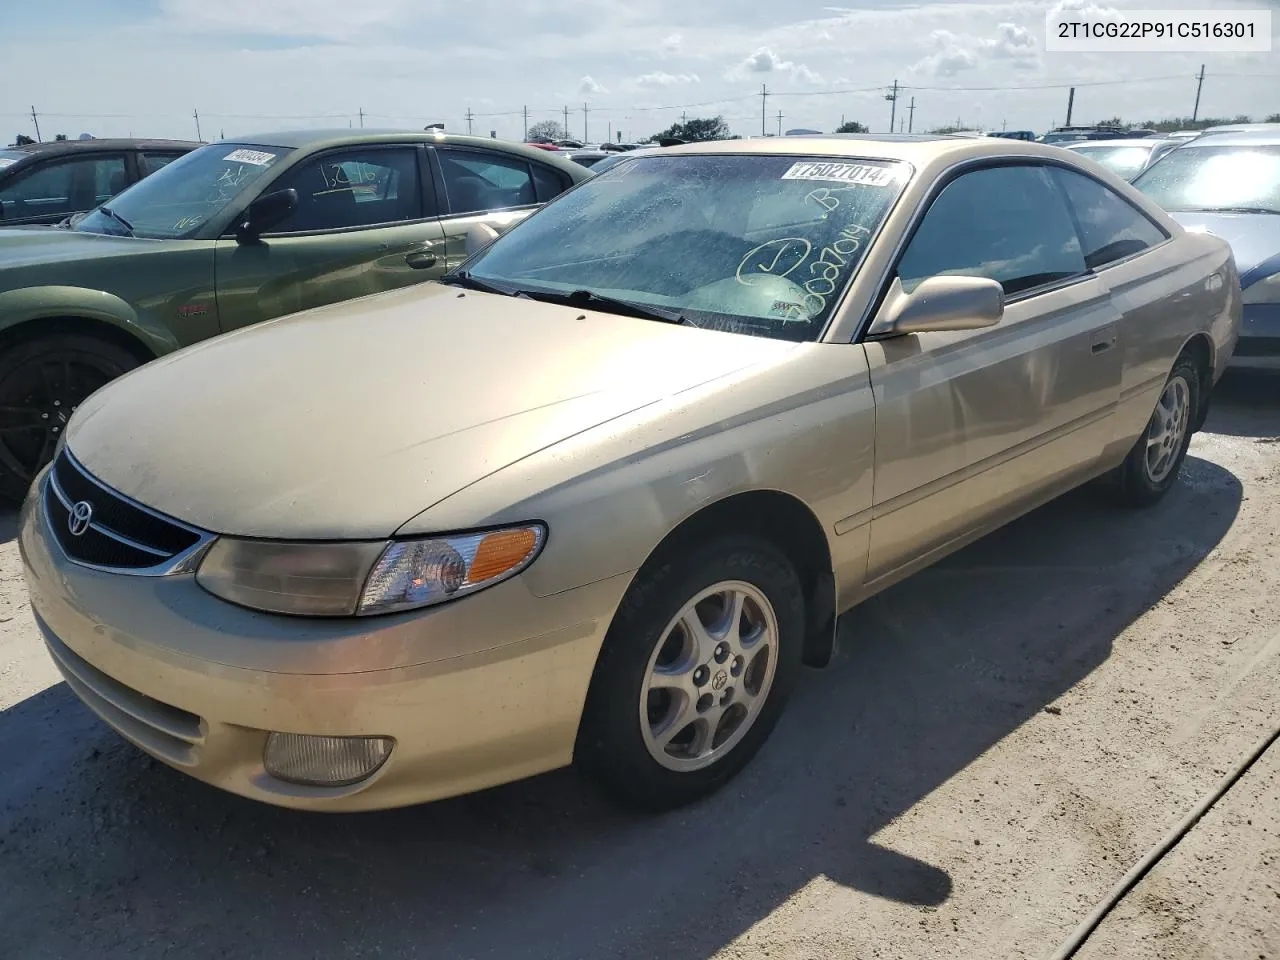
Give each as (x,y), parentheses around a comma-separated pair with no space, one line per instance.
(609,139)
(893,104)
(470,117)
(362,118)
(911,115)
(779,123)
(566,120)
(36,121)
(1195,111)
(196,114)
(526,123)
(764,98)
(1071,102)
(585,135)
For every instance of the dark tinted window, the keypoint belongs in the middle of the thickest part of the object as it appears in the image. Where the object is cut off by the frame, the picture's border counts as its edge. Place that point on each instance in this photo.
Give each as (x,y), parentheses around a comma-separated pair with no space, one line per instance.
(109,177)
(150,162)
(1006,223)
(63,187)
(548,183)
(353,188)
(478,181)
(1111,228)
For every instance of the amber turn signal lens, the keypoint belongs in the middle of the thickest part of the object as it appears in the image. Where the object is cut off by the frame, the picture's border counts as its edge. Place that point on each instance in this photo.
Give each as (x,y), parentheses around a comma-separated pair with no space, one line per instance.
(499,552)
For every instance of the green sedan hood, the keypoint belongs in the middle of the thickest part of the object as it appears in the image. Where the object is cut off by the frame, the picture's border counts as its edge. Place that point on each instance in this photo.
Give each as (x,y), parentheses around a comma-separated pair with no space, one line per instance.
(27,246)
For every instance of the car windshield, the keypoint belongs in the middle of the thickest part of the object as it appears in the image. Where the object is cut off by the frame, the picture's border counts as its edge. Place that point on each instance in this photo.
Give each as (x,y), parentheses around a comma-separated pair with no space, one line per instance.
(181,197)
(1126,162)
(754,244)
(1242,177)
(604,163)
(9,157)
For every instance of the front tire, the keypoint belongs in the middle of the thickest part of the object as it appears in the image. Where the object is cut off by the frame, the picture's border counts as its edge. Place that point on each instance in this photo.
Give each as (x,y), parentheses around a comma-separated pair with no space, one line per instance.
(694,673)
(1152,466)
(42,381)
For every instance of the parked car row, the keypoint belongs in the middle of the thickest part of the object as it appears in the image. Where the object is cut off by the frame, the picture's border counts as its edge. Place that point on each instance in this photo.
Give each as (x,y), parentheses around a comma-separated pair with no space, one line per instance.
(600,490)
(231,234)
(48,182)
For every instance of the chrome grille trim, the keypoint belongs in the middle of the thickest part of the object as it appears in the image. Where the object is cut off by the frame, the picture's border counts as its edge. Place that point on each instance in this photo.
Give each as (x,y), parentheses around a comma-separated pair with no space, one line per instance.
(166,563)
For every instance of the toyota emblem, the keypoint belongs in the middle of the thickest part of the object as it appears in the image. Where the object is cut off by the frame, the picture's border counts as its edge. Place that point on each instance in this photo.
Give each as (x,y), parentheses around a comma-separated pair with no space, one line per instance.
(79,518)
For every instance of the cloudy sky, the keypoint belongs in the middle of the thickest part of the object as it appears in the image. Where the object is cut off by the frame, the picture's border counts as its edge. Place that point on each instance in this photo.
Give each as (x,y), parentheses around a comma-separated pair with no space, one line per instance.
(140,67)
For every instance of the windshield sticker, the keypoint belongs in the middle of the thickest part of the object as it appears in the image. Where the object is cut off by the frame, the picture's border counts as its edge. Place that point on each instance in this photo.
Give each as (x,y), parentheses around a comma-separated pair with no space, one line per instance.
(259,158)
(859,173)
(6,162)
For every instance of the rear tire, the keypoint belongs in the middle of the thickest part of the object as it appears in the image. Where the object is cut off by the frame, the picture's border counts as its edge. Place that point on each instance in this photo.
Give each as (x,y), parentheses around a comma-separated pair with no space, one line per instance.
(694,673)
(1152,466)
(42,382)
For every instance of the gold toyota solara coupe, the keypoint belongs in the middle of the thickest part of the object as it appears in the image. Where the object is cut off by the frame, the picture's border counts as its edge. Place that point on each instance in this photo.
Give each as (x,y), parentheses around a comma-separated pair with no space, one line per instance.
(599,495)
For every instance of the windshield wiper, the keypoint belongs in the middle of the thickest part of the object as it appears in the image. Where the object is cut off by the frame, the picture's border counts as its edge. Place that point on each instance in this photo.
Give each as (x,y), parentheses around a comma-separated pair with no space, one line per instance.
(116,217)
(1234,210)
(591,298)
(465,279)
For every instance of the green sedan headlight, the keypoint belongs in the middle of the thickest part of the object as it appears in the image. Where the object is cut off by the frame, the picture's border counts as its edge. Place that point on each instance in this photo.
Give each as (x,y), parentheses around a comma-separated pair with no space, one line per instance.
(364,578)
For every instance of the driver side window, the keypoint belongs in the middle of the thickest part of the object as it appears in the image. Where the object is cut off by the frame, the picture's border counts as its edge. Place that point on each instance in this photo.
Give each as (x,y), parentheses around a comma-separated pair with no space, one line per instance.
(1009,224)
(353,188)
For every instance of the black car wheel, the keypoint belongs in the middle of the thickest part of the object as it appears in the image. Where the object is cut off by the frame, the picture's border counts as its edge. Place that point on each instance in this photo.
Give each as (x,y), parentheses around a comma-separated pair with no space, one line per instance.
(42,382)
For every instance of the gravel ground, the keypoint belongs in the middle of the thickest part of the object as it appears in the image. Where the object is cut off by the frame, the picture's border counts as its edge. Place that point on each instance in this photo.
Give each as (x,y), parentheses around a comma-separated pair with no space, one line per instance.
(998,740)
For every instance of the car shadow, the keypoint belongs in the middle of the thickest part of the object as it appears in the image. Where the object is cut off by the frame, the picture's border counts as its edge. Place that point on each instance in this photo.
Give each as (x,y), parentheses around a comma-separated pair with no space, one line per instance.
(104,850)
(1246,403)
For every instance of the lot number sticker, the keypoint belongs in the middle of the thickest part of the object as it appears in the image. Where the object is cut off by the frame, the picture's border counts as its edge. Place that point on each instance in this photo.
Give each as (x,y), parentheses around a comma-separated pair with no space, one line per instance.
(258,158)
(855,173)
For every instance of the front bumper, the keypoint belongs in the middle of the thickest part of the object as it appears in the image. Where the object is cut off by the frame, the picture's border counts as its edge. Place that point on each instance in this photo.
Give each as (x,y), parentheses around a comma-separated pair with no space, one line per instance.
(474,693)
(1259,343)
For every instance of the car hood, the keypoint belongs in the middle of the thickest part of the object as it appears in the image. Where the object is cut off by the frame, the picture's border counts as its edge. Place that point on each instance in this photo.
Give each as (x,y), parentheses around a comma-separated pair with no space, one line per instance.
(1254,239)
(349,420)
(23,246)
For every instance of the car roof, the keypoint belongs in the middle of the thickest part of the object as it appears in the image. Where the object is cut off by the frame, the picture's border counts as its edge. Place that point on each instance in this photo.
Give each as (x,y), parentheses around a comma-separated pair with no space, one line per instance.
(917,149)
(1241,138)
(1118,142)
(318,139)
(117,143)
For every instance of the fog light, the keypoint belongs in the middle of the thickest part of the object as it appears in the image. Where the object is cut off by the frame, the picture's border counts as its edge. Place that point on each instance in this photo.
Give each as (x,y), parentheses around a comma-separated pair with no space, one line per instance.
(324,761)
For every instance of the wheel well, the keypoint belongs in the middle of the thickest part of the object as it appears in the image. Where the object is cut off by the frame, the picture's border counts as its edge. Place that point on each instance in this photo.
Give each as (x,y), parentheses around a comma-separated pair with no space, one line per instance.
(1199,350)
(83,326)
(790,526)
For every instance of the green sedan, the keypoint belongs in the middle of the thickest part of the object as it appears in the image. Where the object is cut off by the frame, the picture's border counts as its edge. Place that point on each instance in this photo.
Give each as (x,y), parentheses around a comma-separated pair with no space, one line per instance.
(231,234)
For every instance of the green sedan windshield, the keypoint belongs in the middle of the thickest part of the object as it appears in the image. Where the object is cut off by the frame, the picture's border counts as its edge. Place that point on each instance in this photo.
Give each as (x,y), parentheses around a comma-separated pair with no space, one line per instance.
(760,244)
(181,197)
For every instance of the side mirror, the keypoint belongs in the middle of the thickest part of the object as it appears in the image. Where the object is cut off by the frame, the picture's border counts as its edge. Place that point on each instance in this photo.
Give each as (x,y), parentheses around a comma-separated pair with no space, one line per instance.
(940,304)
(478,237)
(266,212)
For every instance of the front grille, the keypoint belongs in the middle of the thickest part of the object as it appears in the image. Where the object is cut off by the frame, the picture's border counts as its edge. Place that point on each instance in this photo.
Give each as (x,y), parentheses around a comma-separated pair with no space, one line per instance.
(110,530)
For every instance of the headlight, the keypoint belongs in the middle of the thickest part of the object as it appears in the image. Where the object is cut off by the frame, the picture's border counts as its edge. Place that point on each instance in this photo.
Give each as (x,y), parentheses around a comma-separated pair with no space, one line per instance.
(416,573)
(1264,291)
(364,578)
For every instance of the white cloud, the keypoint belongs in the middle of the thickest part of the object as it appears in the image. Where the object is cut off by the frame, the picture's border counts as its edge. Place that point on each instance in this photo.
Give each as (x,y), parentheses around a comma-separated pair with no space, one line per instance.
(672,43)
(332,20)
(955,53)
(948,58)
(765,61)
(661,79)
(588,86)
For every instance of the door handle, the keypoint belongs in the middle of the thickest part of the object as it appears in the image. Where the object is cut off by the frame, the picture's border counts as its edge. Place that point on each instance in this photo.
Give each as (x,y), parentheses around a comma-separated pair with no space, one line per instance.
(1102,346)
(421,259)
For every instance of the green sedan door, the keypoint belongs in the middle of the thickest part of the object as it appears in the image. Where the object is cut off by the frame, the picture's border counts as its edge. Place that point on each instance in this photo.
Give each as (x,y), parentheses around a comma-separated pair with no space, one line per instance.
(366,221)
